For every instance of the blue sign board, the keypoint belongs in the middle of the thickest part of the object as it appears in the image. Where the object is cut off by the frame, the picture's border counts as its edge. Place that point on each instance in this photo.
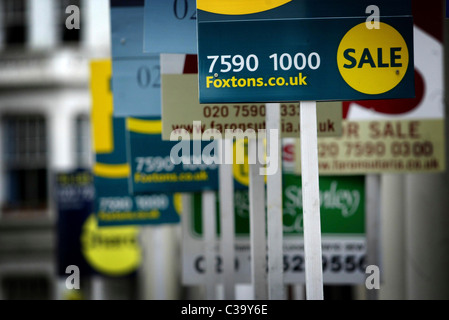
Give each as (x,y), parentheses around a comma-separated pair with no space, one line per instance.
(170,26)
(74,192)
(136,75)
(152,167)
(113,204)
(297,50)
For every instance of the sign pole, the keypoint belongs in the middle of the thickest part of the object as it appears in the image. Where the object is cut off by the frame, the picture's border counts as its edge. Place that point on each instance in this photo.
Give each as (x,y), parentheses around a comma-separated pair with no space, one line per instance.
(209,231)
(159,289)
(373,224)
(298,292)
(98,287)
(226,190)
(258,239)
(274,209)
(311,201)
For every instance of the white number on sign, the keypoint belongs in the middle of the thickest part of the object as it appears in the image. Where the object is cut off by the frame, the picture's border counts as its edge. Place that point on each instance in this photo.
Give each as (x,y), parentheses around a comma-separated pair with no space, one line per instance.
(115,204)
(152,202)
(154,164)
(299,61)
(235,63)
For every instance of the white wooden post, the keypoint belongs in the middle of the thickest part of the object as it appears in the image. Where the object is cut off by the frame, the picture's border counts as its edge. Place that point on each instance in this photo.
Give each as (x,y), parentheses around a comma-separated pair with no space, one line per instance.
(258,239)
(226,191)
(311,201)
(209,237)
(274,209)
(372,225)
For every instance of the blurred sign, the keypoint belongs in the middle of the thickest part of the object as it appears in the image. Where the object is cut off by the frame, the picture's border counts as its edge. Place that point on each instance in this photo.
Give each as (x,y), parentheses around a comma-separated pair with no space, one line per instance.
(383,146)
(153,164)
(136,82)
(112,251)
(74,201)
(180,106)
(102,105)
(113,204)
(397,135)
(170,26)
(343,233)
(300,50)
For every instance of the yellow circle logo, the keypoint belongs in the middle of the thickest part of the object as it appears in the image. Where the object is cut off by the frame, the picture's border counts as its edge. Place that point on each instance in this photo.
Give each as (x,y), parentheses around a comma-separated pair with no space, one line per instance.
(110,250)
(373,61)
(177,201)
(240,165)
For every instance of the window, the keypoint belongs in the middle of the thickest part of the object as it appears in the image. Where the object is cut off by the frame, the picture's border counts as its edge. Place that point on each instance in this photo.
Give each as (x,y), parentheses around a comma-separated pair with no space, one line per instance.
(25,160)
(83,142)
(69,35)
(26,288)
(14,15)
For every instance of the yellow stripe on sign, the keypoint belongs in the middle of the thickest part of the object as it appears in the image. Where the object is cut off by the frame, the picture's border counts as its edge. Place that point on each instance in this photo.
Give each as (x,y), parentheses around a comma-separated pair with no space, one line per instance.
(112,170)
(144,126)
(102,106)
(177,201)
(238,7)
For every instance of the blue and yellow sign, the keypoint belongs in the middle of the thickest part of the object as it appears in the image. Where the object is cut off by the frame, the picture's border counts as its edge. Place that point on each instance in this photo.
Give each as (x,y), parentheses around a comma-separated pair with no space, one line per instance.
(113,204)
(297,50)
(111,251)
(168,166)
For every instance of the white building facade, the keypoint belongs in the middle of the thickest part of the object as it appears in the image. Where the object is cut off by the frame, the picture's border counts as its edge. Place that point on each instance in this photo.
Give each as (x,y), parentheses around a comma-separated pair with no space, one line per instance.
(44,128)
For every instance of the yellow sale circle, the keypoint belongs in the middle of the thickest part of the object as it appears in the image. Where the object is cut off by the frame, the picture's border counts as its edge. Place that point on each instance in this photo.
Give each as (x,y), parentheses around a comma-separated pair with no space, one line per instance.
(373,61)
(112,251)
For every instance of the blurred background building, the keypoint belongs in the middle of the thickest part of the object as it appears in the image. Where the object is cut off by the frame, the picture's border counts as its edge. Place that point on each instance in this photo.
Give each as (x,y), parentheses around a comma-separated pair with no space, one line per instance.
(45,128)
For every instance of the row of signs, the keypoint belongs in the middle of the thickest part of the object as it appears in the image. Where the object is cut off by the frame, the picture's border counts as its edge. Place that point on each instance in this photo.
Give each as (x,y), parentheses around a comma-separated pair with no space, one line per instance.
(115,250)
(360,61)
(135,181)
(342,206)
(160,83)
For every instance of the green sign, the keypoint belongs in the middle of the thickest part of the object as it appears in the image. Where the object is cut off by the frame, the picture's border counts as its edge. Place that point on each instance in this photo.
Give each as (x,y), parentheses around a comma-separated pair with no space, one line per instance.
(343,234)
(342,209)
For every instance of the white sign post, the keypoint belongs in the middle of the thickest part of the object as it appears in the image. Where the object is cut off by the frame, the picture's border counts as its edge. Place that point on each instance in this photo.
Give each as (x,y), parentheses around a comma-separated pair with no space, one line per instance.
(274,210)
(257,224)
(226,191)
(373,224)
(311,201)
(209,232)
